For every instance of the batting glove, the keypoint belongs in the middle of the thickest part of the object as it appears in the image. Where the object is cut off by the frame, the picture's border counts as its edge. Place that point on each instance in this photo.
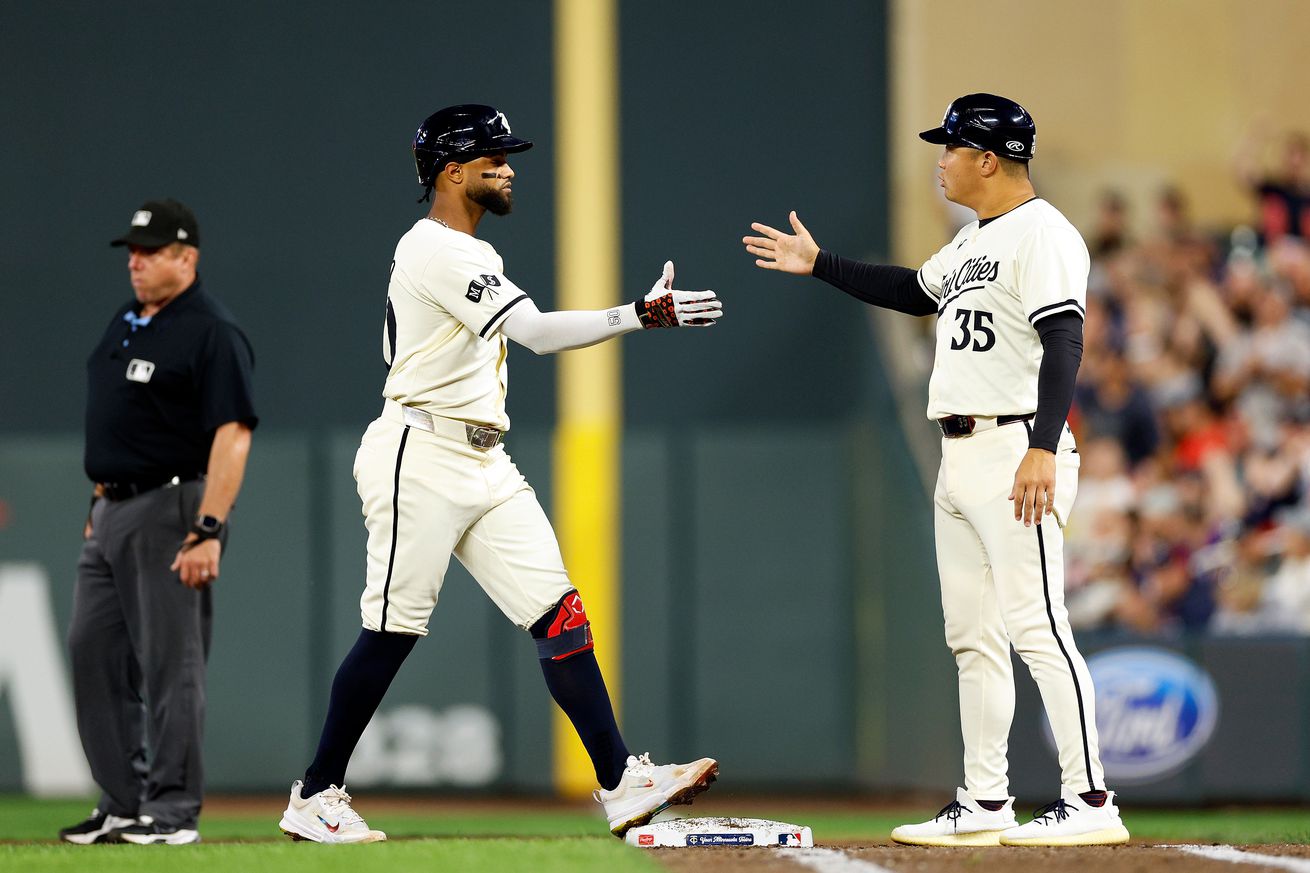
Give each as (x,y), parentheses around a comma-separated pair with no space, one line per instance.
(665,307)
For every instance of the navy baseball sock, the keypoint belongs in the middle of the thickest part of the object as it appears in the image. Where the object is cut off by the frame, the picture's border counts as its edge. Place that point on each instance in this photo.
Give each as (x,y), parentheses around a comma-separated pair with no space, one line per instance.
(579,689)
(993,805)
(362,679)
(1094,798)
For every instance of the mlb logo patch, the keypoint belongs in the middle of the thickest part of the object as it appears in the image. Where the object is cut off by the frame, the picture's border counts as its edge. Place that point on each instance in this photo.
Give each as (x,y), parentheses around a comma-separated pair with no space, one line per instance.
(140,371)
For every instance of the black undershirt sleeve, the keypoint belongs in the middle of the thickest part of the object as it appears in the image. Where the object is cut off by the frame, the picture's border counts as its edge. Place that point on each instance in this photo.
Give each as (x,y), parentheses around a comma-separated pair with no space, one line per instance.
(880,285)
(1062,351)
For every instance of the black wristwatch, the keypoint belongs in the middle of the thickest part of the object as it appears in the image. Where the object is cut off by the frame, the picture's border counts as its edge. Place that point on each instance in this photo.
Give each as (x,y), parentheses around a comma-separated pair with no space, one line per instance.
(207,527)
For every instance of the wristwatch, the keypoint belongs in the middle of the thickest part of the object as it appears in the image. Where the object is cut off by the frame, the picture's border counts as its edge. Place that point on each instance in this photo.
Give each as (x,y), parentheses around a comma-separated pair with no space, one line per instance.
(207,527)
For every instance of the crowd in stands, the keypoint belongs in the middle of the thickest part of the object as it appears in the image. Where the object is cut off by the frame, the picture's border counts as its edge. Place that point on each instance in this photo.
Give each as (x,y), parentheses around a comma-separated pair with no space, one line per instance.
(1193,419)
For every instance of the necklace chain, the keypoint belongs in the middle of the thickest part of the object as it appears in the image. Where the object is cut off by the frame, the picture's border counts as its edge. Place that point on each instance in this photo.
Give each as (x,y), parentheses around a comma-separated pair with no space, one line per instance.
(438,221)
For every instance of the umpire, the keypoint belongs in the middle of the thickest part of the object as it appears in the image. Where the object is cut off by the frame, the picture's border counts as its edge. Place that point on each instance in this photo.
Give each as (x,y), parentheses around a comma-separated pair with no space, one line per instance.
(169,416)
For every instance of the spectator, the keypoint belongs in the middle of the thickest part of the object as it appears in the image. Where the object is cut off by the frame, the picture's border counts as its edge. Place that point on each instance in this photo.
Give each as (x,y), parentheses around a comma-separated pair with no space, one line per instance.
(1111,233)
(1283,197)
(1116,406)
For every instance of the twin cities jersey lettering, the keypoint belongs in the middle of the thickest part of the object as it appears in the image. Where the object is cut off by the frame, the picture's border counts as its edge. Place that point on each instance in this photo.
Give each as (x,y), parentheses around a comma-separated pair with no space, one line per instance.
(442,345)
(992,284)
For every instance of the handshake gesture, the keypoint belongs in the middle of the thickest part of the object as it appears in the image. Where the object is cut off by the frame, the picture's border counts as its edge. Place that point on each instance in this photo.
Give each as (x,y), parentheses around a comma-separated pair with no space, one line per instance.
(663,306)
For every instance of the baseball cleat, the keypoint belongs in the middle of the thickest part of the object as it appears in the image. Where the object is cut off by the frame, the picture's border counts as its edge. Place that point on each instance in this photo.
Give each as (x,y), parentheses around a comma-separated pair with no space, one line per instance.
(326,817)
(648,789)
(99,827)
(1071,821)
(962,822)
(148,832)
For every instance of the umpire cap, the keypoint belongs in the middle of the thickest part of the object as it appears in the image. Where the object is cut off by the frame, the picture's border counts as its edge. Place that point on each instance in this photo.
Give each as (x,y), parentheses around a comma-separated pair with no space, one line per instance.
(987,122)
(461,133)
(160,222)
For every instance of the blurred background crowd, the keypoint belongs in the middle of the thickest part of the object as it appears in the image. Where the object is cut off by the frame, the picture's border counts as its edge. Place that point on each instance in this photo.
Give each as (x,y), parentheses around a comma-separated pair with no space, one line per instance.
(1193,413)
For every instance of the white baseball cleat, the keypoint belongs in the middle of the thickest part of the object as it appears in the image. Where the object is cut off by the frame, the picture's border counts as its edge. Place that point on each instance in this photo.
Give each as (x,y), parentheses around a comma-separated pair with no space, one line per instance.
(962,822)
(1071,821)
(647,789)
(326,817)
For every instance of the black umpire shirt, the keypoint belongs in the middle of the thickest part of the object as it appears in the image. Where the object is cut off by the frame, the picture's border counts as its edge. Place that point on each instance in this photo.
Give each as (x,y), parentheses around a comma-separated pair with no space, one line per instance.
(156,392)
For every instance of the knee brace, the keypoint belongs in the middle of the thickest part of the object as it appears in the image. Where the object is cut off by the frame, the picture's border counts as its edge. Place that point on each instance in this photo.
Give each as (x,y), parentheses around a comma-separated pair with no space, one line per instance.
(564,630)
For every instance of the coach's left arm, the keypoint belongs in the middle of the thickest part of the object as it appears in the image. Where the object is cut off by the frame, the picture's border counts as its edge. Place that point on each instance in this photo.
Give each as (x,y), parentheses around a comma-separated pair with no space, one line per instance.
(1062,351)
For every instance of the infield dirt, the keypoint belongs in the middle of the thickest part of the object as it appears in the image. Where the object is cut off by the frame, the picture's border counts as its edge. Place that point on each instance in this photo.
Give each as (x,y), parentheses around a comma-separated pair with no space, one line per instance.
(905,859)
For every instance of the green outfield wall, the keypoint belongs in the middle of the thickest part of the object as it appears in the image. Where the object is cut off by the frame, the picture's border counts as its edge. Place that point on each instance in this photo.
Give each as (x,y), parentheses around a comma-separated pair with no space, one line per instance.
(739,590)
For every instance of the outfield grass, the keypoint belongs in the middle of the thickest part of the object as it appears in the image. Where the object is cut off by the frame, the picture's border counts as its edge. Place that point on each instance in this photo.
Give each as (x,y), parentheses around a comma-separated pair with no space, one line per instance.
(570,840)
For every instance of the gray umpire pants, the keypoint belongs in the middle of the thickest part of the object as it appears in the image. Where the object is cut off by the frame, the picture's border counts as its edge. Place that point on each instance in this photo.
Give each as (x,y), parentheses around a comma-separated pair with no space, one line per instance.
(139,640)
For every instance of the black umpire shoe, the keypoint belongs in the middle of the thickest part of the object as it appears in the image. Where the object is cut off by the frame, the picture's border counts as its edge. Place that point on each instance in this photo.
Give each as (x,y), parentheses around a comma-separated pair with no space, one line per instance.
(100,827)
(148,832)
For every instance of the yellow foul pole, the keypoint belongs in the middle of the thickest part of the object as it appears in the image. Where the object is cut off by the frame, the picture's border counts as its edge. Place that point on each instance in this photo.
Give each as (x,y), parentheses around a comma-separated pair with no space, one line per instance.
(588,431)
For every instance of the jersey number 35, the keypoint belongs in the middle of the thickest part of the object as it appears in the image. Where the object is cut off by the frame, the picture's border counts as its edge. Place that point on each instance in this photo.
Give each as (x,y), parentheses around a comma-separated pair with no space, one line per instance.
(979,333)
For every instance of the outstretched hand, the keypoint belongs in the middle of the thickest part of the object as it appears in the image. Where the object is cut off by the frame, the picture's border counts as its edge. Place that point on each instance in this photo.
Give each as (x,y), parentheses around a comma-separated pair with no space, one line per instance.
(778,250)
(666,306)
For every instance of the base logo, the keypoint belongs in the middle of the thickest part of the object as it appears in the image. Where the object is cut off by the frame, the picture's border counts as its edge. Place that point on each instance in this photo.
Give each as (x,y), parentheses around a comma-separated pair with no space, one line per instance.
(720,839)
(793,839)
(1155,710)
(645,839)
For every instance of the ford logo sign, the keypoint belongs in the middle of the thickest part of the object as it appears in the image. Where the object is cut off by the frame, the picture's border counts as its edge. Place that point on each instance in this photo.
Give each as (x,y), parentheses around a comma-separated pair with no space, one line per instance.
(1155,710)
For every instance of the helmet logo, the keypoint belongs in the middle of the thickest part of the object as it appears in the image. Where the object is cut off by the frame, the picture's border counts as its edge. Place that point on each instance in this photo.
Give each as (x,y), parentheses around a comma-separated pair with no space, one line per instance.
(1014,145)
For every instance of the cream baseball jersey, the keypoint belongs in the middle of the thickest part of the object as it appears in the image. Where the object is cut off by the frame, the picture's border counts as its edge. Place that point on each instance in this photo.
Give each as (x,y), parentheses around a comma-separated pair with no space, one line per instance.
(447,298)
(992,284)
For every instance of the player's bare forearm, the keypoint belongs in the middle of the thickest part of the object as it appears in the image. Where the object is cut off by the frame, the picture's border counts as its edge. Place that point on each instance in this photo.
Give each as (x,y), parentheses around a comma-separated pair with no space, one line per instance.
(1033,493)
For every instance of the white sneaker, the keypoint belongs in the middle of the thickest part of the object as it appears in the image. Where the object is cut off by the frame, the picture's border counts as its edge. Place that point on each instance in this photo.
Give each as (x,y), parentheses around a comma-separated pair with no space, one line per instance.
(647,789)
(1071,821)
(148,832)
(326,817)
(99,827)
(962,822)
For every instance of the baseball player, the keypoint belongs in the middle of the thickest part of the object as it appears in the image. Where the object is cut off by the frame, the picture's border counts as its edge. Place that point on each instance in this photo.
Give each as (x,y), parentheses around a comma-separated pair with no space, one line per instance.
(435,479)
(1009,293)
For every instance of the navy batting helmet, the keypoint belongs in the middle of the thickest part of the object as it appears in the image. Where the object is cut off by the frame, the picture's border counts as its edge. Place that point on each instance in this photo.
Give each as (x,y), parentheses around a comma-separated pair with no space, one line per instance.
(461,133)
(987,122)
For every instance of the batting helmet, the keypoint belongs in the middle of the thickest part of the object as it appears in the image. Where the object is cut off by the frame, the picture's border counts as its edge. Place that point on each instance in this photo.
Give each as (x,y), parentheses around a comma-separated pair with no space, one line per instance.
(987,122)
(461,133)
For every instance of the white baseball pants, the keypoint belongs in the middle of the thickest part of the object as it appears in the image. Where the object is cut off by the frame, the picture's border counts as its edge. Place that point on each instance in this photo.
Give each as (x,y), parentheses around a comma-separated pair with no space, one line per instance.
(426,496)
(1002,585)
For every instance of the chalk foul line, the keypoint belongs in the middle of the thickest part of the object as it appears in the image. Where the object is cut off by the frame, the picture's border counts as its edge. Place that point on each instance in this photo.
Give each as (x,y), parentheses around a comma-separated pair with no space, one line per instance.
(1239,856)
